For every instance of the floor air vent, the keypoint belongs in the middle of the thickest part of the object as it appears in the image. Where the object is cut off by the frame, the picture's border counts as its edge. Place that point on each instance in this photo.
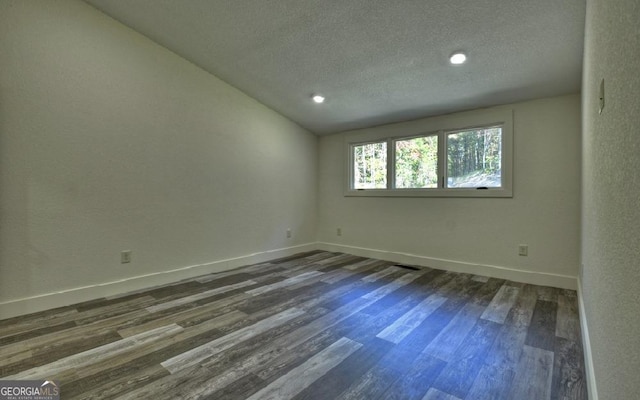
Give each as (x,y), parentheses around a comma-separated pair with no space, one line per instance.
(411,267)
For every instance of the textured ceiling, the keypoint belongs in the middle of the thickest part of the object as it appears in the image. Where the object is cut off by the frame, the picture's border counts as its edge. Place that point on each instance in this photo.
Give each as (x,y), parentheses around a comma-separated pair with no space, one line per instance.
(376,61)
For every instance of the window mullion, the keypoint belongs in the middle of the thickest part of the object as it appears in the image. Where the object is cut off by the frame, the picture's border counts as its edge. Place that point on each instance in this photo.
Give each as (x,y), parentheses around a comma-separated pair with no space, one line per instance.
(442,159)
(391,164)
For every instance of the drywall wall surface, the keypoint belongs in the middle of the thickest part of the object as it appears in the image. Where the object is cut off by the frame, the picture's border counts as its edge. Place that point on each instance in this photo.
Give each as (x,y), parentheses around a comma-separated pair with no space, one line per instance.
(610,275)
(109,142)
(543,213)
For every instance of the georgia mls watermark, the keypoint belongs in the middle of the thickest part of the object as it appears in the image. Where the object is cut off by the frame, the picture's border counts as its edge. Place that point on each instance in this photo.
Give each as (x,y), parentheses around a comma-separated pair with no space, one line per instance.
(29,390)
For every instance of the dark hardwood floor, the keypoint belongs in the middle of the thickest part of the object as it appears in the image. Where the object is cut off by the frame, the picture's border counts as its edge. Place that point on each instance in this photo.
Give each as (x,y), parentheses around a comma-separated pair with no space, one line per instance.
(313,326)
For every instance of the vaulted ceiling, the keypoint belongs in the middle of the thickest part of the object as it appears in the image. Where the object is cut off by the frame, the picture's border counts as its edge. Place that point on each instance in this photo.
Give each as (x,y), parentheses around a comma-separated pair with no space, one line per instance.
(375,61)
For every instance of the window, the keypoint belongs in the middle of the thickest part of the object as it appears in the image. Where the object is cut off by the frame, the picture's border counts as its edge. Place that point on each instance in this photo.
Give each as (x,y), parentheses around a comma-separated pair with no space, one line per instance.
(474,158)
(370,166)
(416,162)
(454,162)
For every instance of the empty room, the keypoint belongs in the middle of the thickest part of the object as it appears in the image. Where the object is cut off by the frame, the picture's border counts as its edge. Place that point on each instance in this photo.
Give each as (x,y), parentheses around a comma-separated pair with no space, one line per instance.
(364,199)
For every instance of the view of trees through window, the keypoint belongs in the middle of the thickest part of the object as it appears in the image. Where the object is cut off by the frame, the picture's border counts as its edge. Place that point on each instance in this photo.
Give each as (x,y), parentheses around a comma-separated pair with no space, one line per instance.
(370,166)
(474,158)
(417,162)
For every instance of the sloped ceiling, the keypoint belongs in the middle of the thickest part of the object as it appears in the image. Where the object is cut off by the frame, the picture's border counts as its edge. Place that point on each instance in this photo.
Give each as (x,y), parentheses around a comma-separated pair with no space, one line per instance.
(376,61)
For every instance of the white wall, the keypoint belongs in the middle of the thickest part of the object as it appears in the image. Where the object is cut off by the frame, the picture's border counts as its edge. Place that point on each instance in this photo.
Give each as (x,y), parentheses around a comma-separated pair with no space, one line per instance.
(111,142)
(474,234)
(610,277)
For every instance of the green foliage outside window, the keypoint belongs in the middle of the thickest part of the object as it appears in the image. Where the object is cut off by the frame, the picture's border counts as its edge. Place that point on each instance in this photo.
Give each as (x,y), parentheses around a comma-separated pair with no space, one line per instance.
(474,158)
(370,166)
(417,162)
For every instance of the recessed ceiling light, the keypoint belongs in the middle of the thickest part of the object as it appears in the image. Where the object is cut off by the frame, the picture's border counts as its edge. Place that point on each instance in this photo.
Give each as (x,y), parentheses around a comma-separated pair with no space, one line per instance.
(458,58)
(317,98)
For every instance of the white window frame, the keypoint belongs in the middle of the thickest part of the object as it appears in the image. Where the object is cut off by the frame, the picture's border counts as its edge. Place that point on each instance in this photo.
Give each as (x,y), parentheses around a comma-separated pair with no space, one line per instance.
(352,172)
(391,185)
(440,126)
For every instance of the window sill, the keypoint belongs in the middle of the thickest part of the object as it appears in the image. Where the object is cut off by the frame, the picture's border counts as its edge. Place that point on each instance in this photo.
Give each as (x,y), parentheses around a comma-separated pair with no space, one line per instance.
(428,193)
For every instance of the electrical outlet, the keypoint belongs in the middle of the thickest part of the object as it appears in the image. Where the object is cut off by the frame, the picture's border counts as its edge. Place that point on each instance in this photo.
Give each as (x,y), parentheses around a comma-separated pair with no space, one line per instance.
(125,257)
(523,250)
(288,233)
(339,232)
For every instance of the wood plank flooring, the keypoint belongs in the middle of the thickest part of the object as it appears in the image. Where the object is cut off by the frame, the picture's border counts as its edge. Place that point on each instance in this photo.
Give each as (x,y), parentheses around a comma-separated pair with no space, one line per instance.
(316,325)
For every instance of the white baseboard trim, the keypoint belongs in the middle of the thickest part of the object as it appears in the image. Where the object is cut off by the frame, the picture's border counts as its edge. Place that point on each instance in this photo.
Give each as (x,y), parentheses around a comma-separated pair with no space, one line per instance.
(517,275)
(586,344)
(47,301)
